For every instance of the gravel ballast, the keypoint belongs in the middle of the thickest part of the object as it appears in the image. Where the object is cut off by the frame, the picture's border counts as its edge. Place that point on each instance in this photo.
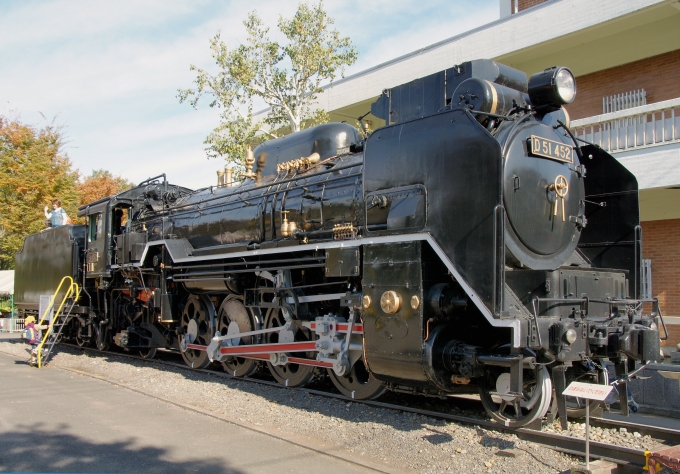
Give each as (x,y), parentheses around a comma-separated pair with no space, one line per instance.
(396,440)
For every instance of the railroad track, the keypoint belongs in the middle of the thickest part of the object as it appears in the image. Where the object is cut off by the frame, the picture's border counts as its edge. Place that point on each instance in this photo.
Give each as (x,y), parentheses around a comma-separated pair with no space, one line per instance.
(634,458)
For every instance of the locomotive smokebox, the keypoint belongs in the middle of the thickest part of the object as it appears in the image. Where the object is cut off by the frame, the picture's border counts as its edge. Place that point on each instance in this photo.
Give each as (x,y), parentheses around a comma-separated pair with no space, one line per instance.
(543,194)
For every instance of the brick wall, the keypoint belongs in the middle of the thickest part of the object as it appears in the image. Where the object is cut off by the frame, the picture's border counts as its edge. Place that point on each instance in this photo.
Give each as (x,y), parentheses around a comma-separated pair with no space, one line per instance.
(524,4)
(673,335)
(661,244)
(658,75)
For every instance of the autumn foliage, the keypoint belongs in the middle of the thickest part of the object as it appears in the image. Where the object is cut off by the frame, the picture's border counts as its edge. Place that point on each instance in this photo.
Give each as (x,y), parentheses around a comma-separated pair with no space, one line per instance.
(34,170)
(99,184)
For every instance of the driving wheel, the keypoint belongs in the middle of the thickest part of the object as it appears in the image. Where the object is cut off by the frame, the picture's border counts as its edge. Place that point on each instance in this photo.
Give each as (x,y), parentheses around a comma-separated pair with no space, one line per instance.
(580,372)
(290,375)
(232,311)
(196,327)
(358,383)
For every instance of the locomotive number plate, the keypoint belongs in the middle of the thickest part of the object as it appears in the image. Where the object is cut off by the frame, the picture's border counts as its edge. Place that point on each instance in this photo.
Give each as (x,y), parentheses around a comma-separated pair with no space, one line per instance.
(539,146)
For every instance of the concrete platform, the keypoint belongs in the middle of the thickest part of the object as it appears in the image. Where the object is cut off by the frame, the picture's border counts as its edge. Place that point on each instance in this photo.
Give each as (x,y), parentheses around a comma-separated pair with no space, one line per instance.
(55,421)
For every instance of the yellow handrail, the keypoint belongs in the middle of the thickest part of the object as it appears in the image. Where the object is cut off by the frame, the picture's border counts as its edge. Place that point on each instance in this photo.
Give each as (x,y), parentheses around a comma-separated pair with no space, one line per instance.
(72,289)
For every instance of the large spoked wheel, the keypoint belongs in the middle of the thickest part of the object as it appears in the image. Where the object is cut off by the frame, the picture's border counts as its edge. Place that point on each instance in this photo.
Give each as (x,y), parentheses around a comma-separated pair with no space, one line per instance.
(358,383)
(232,311)
(576,407)
(290,375)
(516,411)
(196,320)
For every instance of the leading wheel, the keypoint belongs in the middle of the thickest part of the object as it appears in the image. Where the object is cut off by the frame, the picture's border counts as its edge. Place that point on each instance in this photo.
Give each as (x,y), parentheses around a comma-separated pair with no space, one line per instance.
(358,383)
(516,410)
(587,373)
(290,375)
(196,323)
(231,311)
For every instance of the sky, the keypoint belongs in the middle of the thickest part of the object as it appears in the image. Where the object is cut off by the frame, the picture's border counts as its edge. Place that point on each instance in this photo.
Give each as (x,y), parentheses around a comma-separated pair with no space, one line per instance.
(107,72)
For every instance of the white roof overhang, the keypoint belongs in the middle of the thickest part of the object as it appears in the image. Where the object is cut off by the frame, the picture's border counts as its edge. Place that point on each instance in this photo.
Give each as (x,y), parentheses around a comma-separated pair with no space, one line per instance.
(6,282)
(584,35)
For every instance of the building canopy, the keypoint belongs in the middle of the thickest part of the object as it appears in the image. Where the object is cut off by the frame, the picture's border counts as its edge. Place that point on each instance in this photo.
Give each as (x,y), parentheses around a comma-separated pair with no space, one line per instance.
(6,282)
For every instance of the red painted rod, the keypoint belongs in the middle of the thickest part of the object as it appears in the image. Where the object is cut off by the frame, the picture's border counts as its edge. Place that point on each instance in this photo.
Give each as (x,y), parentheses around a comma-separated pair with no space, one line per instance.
(269,348)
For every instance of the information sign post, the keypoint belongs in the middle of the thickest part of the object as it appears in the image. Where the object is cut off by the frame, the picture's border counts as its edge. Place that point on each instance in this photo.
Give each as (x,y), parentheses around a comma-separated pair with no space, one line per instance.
(587,391)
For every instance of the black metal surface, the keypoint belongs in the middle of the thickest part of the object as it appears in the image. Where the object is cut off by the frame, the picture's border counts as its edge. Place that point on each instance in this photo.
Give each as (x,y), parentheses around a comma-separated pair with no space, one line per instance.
(609,238)
(459,164)
(479,95)
(45,259)
(393,341)
(323,139)
(343,262)
(536,236)
(427,95)
(570,284)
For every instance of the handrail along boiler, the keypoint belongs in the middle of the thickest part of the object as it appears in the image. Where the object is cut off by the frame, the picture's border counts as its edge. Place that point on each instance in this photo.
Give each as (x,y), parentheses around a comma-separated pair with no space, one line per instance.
(470,244)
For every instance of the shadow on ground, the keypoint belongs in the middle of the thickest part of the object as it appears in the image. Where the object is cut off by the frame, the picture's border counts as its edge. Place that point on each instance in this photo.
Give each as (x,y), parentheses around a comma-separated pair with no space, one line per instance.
(34,448)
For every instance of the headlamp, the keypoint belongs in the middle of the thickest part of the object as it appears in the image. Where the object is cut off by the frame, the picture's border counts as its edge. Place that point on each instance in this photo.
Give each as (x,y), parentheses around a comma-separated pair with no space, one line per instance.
(570,336)
(552,88)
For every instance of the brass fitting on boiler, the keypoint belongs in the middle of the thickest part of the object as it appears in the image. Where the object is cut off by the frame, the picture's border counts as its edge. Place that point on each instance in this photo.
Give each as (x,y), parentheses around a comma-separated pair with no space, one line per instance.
(287,228)
(250,161)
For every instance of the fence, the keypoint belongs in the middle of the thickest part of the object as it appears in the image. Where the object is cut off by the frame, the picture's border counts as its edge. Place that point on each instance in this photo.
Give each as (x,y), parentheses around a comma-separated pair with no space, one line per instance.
(637,127)
(627,100)
(8,323)
(11,324)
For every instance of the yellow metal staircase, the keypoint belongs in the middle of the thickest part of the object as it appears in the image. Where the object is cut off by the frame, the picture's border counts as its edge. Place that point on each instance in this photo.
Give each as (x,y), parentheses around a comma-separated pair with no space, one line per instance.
(60,319)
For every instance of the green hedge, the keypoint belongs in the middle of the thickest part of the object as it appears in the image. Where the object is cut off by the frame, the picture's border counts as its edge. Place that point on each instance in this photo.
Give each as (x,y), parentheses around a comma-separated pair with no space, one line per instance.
(6,305)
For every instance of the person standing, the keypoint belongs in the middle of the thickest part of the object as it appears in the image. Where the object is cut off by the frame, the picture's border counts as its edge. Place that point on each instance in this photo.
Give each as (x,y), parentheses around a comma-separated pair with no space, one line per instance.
(58,216)
(33,335)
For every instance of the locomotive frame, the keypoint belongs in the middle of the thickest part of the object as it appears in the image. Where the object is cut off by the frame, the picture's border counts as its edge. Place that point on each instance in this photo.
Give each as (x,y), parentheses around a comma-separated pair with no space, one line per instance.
(449,252)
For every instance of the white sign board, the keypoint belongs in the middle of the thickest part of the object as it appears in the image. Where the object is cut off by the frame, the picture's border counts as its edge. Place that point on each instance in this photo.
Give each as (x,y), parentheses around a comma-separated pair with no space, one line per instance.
(590,391)
(43,309)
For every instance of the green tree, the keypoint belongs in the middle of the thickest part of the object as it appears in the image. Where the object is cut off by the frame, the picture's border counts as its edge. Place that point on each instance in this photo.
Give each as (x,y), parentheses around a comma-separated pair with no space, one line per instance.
(34,170)
(287,77)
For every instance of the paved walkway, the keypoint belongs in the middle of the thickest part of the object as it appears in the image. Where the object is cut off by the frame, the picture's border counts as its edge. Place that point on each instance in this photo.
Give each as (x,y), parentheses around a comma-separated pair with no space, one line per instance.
(52,420)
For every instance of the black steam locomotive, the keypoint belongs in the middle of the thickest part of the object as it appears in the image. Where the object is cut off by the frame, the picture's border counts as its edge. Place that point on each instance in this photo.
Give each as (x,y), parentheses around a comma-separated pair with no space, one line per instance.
(470,244)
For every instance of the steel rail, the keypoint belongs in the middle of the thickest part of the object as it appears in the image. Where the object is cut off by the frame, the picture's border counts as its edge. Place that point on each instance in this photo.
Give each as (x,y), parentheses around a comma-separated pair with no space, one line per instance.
(656,432)
(561,443)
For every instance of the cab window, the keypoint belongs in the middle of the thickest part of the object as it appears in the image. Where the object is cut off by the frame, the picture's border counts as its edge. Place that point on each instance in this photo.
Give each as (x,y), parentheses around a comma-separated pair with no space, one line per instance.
(96,227)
